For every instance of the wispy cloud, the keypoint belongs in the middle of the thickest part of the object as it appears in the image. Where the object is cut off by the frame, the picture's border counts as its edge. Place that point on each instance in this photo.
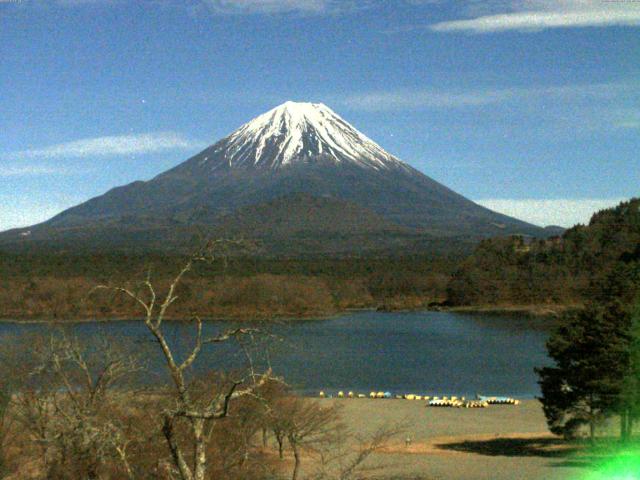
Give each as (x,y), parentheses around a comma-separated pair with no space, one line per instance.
(77,3)
(416,99)
(119,145)
(225,7)
(432,98)
(536,15)
(32,170)
(562,212)
(627,118)
(278,6)
(629,124)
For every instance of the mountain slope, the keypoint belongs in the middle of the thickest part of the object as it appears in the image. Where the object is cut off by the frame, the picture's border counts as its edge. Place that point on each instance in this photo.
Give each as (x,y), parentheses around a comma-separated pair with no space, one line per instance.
(292,149)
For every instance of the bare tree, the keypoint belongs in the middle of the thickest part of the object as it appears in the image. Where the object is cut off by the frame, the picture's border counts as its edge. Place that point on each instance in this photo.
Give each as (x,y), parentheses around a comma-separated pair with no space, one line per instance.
(5,397)
(307,425)
(189,453)
(367,446)
(65,402)
(315,431)
(77,405)
(346,458)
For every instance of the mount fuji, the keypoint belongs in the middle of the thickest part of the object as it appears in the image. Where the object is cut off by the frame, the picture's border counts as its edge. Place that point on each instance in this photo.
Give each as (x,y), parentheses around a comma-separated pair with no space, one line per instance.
(298,177)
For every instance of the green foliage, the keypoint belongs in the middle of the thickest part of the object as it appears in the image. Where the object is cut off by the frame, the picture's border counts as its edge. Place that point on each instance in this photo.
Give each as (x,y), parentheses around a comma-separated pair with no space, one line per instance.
(630,398)
(590,352)
(564,270)
(597,350)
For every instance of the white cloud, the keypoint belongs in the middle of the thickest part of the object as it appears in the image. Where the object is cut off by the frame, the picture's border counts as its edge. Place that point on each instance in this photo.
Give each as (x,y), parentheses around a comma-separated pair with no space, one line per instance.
(562,212)
(76,3)
(249,7)
(630,124)
(408,99)
(536,15)
(108,146)
(432,98)
(276,6)
(31,170)
(626,118)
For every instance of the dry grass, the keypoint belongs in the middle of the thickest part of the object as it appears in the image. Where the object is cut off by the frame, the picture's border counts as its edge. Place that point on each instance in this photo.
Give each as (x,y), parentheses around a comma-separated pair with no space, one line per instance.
(260,296)
(498,443)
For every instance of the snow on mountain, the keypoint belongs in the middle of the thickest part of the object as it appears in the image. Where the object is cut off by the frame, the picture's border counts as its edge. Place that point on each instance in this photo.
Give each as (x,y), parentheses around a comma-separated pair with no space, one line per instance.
(297,169)
(298,132)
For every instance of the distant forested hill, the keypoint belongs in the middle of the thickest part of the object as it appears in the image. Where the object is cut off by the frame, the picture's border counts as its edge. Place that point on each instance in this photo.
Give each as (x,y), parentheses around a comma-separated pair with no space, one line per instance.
(560,270)
(62,285)
(500,274)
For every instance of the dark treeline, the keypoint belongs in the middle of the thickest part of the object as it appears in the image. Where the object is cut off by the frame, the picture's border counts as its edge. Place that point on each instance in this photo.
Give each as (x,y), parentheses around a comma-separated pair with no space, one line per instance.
(501,272)
(60,285)
(560,271)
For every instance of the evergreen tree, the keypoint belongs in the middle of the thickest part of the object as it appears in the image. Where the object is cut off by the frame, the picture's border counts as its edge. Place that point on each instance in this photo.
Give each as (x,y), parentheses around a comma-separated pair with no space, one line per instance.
(590,355)
(597,357)
(630,399)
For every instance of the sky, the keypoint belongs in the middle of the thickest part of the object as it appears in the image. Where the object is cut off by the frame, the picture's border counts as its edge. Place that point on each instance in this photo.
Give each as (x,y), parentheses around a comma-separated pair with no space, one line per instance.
(529,107)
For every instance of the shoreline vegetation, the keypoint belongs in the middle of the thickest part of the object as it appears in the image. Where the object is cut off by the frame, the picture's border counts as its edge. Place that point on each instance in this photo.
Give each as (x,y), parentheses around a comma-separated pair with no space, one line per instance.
(62,288)
(516,275)
(261,297)
(529,311)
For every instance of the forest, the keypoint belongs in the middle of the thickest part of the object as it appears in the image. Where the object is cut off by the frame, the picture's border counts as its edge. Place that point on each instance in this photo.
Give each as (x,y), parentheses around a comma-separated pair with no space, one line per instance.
(501,273)
(62,286)
(558,271)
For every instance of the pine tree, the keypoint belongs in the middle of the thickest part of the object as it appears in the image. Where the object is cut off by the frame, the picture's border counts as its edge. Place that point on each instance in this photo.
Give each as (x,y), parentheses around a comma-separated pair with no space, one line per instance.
(590,355)
(630,399)
(597,357)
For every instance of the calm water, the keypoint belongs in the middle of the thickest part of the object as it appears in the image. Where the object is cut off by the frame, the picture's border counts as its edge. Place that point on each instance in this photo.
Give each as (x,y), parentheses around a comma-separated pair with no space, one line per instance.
(428,352)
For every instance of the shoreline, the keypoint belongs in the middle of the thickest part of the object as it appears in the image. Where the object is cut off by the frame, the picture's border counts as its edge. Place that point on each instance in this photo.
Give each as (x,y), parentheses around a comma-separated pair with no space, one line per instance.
(547,311)
(258,318)
(531,311)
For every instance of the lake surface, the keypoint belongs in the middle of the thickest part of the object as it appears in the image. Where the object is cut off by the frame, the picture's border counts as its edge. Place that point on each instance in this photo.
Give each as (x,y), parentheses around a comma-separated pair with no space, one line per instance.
(434,353)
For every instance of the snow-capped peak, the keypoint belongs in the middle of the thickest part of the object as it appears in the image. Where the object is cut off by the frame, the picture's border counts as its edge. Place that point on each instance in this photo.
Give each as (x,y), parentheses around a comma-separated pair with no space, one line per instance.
(299,132)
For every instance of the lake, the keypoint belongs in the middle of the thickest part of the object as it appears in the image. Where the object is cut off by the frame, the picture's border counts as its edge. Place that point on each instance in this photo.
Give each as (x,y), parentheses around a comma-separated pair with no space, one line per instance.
(434,353)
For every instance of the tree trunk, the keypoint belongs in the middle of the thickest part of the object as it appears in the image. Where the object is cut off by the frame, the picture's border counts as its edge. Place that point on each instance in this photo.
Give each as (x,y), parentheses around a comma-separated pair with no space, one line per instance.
(624,426)
(176,452)
(592,421)
(200,460)
(280,441)
(296,465)
(264,437)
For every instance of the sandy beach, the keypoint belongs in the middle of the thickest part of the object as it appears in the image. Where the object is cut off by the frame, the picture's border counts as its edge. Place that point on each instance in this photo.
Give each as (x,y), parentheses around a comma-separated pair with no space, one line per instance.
(499,442)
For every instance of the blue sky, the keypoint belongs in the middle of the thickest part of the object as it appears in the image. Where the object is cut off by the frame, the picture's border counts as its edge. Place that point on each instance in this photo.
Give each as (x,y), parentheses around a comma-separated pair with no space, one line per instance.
(531,107)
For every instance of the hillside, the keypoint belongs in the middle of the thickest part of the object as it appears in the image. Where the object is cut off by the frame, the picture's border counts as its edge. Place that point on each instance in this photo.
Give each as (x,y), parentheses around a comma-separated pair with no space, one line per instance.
(560,270)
